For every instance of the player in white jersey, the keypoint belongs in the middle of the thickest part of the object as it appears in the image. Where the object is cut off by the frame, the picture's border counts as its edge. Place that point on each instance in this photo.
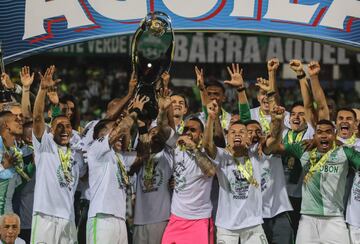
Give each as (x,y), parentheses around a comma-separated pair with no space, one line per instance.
(108,179)
(191,206)
(58,167)
(239,215)
(153,195)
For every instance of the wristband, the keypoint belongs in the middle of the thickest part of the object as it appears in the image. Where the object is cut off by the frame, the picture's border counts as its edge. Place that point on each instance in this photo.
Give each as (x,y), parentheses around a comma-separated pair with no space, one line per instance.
(241,89)
(143,130)
(302,76)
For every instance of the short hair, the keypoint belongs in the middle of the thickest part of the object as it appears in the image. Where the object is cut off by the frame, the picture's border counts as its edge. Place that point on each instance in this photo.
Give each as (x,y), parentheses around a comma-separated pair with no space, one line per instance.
(251,122)
(183,96)
(346,109)
(238,122)
(325,122)
(9,105)
(58,117)
(193,118)
(99,126)
(296,104)
(2,218)
(214,82)
(4,114)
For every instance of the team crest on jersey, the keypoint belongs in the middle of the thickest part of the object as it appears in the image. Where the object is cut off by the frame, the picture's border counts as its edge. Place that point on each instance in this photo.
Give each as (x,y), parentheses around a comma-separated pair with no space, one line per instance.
(239,186)
(180,180)
(265,179)
(156,181)
(64,181)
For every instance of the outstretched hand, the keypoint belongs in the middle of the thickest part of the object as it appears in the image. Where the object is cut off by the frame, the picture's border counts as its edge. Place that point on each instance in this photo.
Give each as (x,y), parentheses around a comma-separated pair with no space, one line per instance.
(263,84)
(47,80)
(200,82)
(164,100)
(236,75)
(25,77)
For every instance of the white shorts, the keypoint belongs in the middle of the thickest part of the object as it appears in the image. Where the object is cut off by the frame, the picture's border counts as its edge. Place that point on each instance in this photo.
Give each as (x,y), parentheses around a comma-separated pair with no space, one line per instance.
(50,229)
(250,235)
(106,229)
(319,229)
(354,234)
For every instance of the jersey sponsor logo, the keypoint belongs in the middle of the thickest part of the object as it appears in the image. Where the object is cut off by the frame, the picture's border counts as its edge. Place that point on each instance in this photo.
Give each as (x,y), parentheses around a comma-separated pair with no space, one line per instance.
(239,186)
(330,169)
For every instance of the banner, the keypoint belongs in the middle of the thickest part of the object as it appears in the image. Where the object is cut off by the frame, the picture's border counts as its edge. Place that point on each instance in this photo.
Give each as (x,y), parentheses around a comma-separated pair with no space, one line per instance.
(220,48)
(32,26)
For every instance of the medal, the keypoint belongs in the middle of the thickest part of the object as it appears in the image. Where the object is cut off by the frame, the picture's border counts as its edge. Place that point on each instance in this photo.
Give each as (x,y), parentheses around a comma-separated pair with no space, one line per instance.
(316,166)
(247,171)
(65,164)
(124,176)
(291,163)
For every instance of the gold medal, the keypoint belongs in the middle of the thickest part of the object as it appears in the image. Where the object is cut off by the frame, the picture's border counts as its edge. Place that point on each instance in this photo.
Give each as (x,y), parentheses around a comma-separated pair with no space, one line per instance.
(291,163)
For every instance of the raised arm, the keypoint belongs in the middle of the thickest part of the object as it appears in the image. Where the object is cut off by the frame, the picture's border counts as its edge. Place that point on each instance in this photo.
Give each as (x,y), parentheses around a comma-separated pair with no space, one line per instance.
(46,82)
(165,80)
(238,83)
(116,106)
(164,103)
(272,66)
(276,126)
(26,81)
(318,93)
(310,114)
(200,82)
(124,125)
(208,143)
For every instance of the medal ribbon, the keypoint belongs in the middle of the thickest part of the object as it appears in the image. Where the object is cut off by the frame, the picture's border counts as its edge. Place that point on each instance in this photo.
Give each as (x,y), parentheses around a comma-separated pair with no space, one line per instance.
(149,169)
(315,166)
(19,164)
(264,123)
(247,171)
(223,119)
(65,163)
(180,130)
(123,172)
(298,137)
(349,141)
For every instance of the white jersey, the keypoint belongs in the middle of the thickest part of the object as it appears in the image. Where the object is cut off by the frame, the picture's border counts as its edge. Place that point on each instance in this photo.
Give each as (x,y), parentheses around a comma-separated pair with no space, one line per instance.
(107,189)
(54,195)
(191,196)
(153,200)
(294,189)
(240,203)
(273,187)
(353,205)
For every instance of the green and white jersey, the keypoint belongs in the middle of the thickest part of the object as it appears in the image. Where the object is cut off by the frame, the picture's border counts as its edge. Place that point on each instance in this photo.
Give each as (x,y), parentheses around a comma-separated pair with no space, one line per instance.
(323,193)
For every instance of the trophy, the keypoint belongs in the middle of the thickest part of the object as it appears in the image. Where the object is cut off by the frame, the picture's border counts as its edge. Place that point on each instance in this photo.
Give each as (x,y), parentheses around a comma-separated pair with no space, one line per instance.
(152,50)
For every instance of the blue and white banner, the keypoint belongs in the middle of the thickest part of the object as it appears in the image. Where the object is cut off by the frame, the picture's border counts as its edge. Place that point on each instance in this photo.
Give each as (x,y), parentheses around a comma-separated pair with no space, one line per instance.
(31,26)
